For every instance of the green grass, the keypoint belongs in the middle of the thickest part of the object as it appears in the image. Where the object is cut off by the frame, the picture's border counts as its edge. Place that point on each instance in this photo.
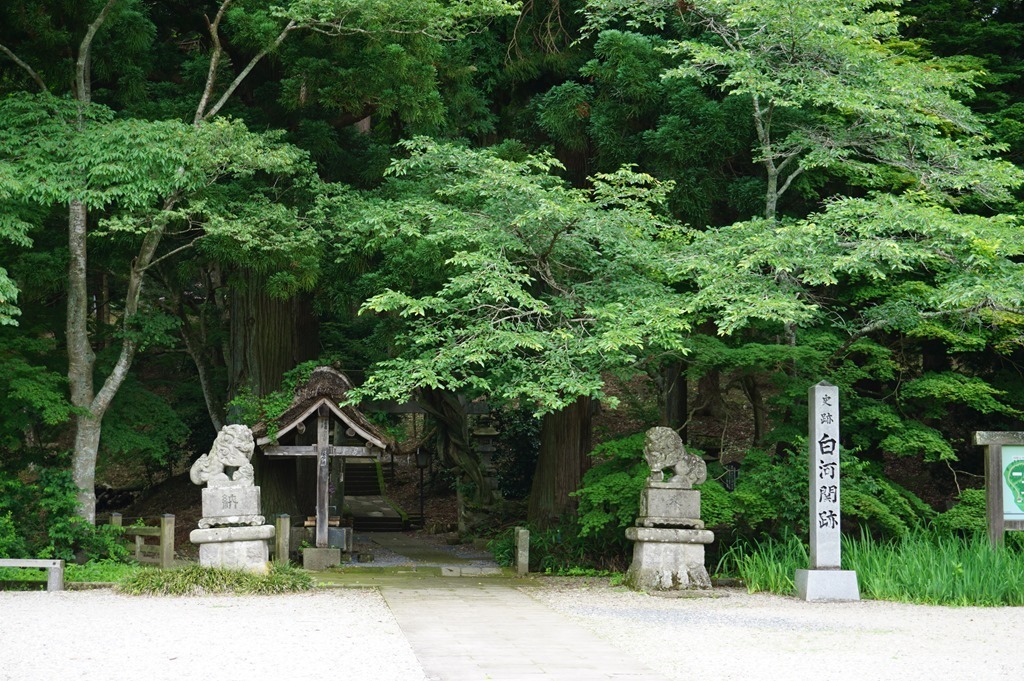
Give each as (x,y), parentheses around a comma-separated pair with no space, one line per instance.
(922,567)
(936,569)
(194,580)
(93,571)
(769,565)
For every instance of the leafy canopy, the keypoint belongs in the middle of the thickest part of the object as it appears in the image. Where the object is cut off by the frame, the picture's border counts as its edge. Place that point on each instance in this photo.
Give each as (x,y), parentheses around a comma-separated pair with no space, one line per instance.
(543,286)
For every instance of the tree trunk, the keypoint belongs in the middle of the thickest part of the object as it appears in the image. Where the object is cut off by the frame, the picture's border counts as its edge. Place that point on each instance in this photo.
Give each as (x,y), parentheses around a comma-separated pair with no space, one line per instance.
(673,397)
(80,365)
(564,445)
(709,395)
(269,336)
(753,392)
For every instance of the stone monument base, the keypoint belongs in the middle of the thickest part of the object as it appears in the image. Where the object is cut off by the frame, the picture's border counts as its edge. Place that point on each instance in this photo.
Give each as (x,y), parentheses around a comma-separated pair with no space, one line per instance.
(235,548)
(827,585)
(320,559)
(665,559)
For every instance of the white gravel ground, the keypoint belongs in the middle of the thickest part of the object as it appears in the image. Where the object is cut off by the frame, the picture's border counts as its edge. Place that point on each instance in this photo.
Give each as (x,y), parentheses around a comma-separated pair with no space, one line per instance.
(744,637)
(102,636)
(351,634)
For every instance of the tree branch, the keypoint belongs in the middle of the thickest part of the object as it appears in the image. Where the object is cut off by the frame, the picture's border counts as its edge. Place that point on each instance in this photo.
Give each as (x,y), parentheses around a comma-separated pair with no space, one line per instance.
(28,69)
(82,76)
(245,72)
(211,76)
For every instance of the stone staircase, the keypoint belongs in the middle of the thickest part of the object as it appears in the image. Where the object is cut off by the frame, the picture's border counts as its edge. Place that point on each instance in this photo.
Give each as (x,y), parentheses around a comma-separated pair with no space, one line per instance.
(363,489)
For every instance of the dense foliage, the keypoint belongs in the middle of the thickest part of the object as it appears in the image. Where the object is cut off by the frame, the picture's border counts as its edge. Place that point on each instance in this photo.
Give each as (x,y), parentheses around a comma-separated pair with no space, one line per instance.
(517,202)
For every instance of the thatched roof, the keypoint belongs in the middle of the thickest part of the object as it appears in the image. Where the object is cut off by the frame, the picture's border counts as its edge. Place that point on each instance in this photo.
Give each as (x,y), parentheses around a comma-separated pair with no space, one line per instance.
(325,386)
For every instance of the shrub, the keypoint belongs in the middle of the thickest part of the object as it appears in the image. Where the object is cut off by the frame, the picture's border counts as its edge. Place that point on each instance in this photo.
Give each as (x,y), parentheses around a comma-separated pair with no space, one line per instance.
(968,516)
(564,550)
(609,495)
(38,515)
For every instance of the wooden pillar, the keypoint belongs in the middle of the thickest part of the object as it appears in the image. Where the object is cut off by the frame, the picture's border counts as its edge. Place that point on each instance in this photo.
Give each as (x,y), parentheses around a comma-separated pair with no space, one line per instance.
(166,541)
(994,494)
(322,474)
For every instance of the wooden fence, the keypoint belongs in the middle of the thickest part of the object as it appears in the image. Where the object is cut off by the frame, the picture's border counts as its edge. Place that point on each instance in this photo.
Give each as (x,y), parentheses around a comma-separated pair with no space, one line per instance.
(160,553)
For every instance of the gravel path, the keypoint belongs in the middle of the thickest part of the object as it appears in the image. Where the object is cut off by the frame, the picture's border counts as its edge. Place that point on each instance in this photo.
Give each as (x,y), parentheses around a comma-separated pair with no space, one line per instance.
(351,633)
(102,636)
(741,636)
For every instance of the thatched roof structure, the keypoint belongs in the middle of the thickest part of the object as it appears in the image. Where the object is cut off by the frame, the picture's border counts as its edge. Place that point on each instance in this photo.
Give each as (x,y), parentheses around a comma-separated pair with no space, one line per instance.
(329,387)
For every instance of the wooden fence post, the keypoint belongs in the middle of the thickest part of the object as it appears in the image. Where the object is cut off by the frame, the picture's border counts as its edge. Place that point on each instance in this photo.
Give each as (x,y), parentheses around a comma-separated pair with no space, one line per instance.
(166,541)
(115,519)
(282,539)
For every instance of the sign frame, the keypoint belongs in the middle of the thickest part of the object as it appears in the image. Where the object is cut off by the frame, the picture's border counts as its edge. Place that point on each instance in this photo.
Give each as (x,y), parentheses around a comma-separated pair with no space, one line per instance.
(999,446)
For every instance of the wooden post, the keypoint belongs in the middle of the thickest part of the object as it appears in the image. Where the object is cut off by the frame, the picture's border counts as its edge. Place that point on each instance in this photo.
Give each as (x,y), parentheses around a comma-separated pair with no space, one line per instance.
(323,444)
(166,541)
(282,539)
(115,519)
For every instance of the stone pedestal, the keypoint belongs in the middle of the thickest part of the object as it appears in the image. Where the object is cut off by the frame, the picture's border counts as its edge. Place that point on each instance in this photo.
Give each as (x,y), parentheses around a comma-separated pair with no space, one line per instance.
(231,532)
(665,558)
(231,505)
(669,539)
(669,503)
(827,585)
(235,548)
(320,559)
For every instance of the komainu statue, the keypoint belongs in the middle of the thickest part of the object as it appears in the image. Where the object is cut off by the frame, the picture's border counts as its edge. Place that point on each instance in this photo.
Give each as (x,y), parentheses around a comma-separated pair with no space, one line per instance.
(227,464)
(663,449)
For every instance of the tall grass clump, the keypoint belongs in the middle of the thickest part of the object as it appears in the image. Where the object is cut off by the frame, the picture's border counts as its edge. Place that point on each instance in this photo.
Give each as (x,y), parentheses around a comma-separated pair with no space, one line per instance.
(767,565)
(194,580)
(920,567)
(937,569)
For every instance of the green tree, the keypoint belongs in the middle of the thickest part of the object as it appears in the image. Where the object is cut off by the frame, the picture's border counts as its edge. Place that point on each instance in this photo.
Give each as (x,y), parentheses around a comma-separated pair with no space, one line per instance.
(910,247)
(543,287)
(138,175)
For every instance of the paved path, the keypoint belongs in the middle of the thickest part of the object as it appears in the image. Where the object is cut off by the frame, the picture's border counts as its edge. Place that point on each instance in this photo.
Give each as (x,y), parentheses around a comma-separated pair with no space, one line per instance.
(478,628)
(472,632)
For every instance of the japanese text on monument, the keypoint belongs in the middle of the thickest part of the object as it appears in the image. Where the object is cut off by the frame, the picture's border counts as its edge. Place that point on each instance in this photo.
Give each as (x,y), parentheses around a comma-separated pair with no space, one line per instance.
(824,478)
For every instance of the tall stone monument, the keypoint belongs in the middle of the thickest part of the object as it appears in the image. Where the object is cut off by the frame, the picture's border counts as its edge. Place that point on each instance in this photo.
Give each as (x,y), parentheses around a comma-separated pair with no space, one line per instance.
(231,533)
(825,581)
(668,549)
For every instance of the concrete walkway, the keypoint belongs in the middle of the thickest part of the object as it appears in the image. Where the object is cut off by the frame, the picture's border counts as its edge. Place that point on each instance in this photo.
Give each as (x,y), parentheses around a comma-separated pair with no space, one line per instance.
(479,625)
(470,632)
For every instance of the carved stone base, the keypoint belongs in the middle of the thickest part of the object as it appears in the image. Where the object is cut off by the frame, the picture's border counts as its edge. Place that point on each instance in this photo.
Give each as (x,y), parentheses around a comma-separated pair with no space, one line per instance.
(231,505)
(665,500)
(667,559)
(235,548)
